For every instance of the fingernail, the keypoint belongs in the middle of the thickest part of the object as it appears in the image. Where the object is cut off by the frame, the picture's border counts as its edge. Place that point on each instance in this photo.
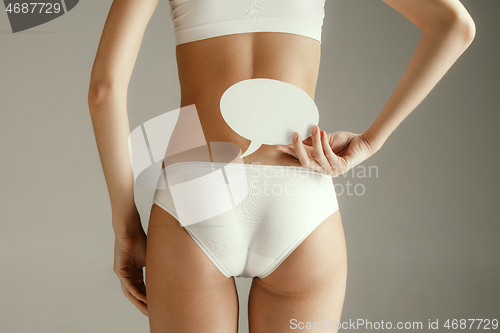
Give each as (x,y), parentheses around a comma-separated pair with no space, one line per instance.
(314,129)
(295,137)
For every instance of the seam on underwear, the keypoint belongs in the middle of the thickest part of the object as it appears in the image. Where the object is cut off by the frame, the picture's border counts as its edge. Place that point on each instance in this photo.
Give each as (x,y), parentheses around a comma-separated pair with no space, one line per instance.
(299,241)
(159,204)
(198,241)
(209,253)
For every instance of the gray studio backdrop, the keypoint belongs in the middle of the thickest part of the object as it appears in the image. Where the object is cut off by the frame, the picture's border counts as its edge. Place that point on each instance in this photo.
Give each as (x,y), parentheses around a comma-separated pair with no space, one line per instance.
(422,239)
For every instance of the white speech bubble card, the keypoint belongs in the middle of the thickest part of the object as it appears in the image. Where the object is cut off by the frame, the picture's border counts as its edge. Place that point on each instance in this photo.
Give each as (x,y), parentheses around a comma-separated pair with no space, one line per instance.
(267,111)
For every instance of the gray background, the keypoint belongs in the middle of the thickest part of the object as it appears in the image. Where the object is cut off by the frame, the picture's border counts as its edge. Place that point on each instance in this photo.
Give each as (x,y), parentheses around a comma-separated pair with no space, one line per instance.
(422,241)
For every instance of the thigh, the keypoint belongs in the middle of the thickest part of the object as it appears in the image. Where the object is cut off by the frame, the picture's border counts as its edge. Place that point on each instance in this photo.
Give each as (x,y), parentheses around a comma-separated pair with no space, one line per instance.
(309,286)
(186,292)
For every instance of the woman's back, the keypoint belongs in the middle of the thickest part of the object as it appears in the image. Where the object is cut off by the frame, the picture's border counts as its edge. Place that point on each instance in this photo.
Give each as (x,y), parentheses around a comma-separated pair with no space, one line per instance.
(209,66)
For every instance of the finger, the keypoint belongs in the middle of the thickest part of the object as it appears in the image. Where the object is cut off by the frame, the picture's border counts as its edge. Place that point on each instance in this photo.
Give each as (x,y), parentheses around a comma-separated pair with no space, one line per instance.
(138,304)
(305,160)
(287,149)
(133,279)
(334,160)
(291,151)
(319,154)
(281,146)
(134,290)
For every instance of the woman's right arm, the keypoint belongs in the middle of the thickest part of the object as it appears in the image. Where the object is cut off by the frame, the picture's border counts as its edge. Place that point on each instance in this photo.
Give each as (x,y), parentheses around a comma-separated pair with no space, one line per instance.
(447,31)
(115,59)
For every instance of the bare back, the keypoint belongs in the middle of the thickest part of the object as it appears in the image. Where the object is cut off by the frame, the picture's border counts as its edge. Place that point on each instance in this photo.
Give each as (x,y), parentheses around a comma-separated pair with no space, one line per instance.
(210,66)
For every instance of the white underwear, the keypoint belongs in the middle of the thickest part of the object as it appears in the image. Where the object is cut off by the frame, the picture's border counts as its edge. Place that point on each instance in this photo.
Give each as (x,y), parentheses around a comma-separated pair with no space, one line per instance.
(247,218)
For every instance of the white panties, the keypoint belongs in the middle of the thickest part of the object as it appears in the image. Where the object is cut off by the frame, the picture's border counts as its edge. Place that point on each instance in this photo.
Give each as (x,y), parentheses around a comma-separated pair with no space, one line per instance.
(247,218)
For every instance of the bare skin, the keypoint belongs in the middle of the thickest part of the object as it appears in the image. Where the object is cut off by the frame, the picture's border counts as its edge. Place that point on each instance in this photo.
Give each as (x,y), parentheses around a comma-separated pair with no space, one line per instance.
(185,291)
(208,67)
(308,285)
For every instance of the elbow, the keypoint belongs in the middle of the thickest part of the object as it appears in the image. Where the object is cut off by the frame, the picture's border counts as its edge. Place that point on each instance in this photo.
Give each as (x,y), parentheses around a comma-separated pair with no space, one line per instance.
(96,95)
(470,33)
(99,94)
(464,26)
(456,21)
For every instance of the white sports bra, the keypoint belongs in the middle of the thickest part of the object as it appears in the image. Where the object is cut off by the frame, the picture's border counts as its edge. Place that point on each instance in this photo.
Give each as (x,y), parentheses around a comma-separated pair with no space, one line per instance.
(200,19)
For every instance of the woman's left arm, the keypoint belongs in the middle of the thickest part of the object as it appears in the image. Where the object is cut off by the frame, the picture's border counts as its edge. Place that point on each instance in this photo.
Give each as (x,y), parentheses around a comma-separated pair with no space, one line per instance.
(115,59)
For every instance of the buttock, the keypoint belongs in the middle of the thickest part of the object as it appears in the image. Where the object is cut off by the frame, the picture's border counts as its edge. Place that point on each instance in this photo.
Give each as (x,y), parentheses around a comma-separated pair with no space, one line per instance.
(247,218)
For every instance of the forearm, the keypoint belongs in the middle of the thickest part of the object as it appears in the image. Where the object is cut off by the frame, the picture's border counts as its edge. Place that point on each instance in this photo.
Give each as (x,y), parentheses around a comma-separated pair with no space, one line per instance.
(437,51)
(111,128)
(115,59)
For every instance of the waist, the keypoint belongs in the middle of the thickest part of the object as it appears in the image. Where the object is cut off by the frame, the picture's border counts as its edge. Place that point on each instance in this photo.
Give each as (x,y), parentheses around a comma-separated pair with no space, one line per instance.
(222,145)
(216,141)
